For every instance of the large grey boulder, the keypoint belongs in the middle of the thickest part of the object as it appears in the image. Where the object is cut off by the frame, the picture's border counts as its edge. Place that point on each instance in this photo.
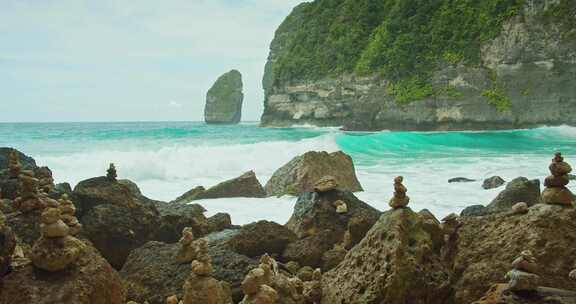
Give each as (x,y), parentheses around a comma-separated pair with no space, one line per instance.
(518,190)
(302,172)
(224,100)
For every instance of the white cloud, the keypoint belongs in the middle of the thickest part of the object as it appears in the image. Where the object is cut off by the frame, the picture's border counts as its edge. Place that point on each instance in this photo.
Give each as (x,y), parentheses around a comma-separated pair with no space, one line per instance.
(112,51)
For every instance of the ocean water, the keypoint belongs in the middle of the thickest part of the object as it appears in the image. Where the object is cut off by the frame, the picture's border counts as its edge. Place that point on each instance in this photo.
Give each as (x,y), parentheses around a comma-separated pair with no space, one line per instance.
(168,158)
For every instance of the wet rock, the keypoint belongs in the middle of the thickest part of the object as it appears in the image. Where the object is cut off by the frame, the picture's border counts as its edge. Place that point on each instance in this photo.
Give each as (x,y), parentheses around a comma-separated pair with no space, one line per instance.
(302,172)
(90,279)
(261,237)
(394,263)
(247,185)
(518,190)
(487,244)
(461,180)
(493,182)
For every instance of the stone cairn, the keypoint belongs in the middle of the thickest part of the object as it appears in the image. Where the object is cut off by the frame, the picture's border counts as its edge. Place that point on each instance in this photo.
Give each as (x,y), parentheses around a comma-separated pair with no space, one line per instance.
(55,249)
(556,192)
(257,283)
(187,251)
(30,198)
(523,276)
(14,166)
(400,199)
(313,288)
(45,179)
(201,287)
(68,211)
(111,173)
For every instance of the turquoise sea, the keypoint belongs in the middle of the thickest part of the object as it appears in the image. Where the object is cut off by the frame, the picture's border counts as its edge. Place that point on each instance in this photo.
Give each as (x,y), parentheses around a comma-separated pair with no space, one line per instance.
(168,158)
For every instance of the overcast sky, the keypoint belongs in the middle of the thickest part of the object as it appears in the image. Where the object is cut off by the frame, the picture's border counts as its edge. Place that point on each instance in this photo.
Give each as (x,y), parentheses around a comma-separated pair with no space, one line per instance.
(130,60)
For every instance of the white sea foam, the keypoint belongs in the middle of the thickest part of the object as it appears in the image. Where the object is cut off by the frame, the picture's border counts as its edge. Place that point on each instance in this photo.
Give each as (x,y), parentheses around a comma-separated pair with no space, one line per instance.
(165,172)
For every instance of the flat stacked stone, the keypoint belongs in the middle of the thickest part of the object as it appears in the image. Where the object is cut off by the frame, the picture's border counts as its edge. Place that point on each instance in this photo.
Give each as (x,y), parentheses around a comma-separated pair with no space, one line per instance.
(55,249)
(523,276)
(111,173)
(556,192)
(400,199)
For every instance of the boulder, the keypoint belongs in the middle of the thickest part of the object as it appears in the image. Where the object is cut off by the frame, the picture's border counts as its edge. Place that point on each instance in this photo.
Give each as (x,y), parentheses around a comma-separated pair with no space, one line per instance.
(224,100)
(189,195)
(246,185)
(27,162)
(499,294)
(474,210)
(26,227)
(302,172)
(90,280)
(461,180)
(100,190)
(152,273)
(116,230)
(518,190)
(487,245)
(219,221)
(256,239)
(394,263)
(175,217)
(319,226)
(493,182)
(311,250)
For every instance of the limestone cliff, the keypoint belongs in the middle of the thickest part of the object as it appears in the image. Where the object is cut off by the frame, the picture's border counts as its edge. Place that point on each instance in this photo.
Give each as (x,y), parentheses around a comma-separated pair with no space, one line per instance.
(435,65)
(224,100)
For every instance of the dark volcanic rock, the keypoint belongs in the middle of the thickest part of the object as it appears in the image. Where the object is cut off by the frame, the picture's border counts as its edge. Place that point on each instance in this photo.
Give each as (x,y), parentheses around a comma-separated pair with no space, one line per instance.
(461,180)
(262,237)
(219,222)
(302,172)
(7,246)
(26,227)
(224,100)
(518,190)
(319,227)
(117,230)
(59,189)
(499,294)
(394,263)
(487,245)
(474,210)
(90,280)
(189,195)
(246,185)
(98,191)
(493,182)
(175,217)
(27,162)
(152,273)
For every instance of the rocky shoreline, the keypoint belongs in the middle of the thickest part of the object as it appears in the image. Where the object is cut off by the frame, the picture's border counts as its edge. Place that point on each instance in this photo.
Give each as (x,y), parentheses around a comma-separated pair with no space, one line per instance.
(104,242)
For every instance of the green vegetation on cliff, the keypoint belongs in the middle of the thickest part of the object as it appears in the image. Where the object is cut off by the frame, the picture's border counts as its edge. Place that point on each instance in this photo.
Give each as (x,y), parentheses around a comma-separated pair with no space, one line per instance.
(401,40)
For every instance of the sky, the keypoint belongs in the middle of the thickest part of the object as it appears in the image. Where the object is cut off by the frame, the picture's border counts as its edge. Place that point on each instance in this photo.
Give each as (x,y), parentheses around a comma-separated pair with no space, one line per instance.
(130,60)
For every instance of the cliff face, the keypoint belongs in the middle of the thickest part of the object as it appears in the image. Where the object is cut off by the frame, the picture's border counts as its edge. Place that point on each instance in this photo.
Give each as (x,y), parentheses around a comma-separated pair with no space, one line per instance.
(521,73)
(224,100)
